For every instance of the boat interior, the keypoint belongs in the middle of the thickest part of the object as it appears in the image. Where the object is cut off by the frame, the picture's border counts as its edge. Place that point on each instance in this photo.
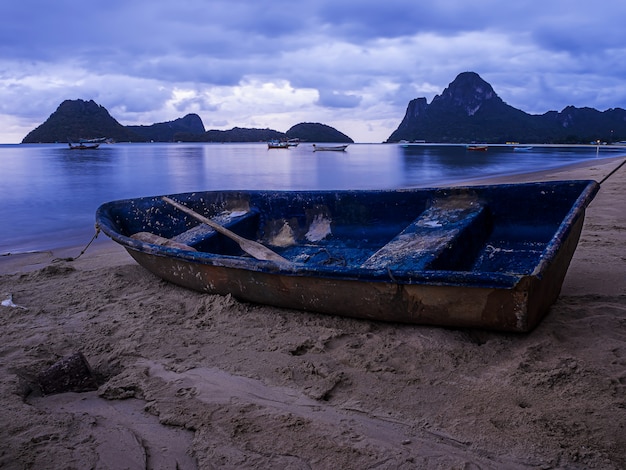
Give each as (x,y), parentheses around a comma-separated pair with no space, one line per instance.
(472,229)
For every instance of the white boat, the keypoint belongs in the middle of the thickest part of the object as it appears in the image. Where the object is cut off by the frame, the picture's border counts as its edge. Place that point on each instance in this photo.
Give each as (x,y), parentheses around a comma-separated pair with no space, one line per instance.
(522,149)
(331,148)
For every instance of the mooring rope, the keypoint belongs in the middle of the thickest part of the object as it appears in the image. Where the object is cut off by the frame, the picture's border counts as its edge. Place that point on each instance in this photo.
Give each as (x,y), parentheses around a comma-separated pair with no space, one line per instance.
(84,249)
(612,172)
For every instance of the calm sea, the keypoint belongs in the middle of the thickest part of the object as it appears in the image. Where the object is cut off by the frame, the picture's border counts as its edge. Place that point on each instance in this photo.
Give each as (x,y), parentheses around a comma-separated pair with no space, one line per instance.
(49,193)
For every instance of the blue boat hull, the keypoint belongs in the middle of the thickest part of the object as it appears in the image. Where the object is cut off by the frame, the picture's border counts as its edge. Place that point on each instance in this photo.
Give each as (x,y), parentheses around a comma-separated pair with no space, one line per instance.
(486,256)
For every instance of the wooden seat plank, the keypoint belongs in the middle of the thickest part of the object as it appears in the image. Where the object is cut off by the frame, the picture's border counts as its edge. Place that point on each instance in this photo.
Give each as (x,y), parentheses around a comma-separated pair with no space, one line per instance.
(431,236)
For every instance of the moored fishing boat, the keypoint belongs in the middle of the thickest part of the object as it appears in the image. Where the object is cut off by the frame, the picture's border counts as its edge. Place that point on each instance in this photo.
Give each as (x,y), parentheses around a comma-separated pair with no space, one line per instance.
(86,144)
(275,144)
(486,256)
(82,146)
(329,148)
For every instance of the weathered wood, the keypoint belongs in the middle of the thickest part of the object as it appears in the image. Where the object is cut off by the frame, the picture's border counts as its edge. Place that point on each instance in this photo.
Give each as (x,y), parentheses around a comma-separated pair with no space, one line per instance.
(202,232)
(70,374)
(162,241)
(431,235)
(194,235)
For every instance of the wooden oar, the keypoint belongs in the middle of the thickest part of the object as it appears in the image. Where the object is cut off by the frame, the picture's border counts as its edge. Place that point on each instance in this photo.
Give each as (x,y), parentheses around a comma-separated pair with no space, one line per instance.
(253,248)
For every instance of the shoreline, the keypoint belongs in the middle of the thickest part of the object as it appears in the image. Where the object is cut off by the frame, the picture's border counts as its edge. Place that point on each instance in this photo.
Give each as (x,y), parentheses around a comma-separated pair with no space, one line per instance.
(189,380)
(595,169)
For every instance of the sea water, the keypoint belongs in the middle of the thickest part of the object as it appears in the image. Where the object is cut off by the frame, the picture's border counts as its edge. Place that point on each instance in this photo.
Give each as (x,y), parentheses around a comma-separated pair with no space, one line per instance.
(49,193)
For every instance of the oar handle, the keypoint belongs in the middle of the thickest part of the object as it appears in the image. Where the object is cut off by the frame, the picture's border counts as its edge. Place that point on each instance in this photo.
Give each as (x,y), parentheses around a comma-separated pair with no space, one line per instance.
(214,225)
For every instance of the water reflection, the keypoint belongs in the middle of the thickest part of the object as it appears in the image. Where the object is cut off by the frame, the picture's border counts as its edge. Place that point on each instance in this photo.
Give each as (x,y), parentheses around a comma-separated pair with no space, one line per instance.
(435,165)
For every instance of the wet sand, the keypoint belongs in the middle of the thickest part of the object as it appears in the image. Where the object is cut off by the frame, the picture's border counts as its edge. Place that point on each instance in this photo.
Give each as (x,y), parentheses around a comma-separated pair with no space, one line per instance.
(189,380)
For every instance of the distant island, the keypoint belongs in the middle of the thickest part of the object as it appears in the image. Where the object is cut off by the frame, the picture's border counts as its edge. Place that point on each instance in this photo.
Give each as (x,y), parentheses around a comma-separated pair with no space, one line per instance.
(79,119)
(467,111)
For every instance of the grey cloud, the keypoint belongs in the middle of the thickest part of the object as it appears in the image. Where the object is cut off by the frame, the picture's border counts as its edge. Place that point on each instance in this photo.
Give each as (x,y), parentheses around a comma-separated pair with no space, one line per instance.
(334,99)
(133,55)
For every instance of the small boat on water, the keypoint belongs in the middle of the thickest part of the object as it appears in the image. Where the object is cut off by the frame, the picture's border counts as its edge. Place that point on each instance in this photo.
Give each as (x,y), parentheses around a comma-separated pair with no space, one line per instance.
(476,148)
(275,144)
(86,144)
(82,146)
(329,148)
(522,149)
(487,256)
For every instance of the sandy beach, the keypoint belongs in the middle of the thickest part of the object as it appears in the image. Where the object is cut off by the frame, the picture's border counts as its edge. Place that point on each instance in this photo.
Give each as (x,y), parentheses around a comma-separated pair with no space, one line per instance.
(187,380)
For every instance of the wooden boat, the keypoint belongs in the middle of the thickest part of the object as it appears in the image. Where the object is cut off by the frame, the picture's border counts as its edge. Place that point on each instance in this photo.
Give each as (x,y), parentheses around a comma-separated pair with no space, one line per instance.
(329,148)
(486,256)
(477,148)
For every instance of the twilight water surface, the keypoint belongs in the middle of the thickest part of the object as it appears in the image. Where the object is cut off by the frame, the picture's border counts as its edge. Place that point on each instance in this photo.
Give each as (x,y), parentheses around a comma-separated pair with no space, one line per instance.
(50,193)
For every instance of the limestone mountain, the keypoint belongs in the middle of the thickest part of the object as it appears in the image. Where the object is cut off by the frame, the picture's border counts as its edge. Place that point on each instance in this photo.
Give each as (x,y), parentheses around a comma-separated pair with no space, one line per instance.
(238,134)
(316,132)
(305,131)
(171,131)
(469,110)
(79,119)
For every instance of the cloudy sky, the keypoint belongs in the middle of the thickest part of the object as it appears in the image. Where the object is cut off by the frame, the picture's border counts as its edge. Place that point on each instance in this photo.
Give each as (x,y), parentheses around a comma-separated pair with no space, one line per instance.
(351,64)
